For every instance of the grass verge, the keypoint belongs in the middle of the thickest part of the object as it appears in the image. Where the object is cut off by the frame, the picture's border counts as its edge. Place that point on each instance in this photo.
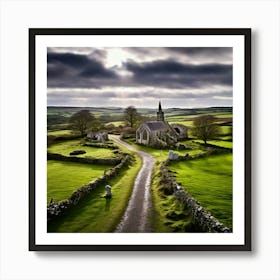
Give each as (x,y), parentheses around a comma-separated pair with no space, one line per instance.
(169,215)
(61,132)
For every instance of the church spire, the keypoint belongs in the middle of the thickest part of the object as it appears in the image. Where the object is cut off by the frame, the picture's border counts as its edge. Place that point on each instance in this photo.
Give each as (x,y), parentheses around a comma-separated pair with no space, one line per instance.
(160,114)
(159,106)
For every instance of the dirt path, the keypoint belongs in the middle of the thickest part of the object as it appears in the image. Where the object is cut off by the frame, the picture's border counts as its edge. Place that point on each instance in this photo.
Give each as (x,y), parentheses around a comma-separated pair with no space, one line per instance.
(135,218)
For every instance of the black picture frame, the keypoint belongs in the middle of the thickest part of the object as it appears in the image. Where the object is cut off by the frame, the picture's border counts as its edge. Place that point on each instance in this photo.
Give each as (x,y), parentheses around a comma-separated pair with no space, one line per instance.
(246,32)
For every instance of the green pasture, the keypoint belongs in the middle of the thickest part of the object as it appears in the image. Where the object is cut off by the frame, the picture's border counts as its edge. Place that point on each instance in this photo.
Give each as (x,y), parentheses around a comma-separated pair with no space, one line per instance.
(116,123)
(182,121)
(60,132)
(226,138)
(225,130)
(63,178)
(95,213)
(169,215)
(222,115)
(215,114)
(209,180)
(224,144)
(188,120)
(176,119)
(68,146)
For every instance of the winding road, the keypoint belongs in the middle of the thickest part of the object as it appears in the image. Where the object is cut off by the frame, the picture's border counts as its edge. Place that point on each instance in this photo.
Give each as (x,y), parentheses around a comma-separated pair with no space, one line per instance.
(135,218)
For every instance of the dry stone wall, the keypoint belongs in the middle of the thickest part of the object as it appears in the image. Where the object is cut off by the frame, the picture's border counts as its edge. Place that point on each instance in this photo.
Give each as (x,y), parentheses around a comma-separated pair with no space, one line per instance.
(203,217)
(90,160)
(55,209)
(101,145)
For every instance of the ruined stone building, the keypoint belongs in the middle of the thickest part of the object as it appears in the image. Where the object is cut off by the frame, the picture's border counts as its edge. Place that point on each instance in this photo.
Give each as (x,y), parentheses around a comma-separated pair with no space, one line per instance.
(160,133)
(97,136)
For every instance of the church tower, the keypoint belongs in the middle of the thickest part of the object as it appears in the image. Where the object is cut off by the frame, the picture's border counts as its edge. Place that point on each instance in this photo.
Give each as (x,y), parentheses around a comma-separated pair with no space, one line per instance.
(160,114)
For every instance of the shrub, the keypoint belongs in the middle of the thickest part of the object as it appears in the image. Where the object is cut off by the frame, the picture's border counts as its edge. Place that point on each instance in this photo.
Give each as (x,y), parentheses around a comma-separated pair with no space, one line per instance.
(77,152)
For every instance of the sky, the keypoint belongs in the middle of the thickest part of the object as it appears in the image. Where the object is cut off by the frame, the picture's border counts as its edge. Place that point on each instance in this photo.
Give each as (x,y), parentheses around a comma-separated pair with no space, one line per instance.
(184,77)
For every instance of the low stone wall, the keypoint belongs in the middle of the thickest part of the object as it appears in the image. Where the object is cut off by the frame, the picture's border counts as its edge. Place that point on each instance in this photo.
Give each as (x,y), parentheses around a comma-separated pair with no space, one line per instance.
(101,145)
(56,209)
(90,160)
(212,151)
(214,146)
(203,217)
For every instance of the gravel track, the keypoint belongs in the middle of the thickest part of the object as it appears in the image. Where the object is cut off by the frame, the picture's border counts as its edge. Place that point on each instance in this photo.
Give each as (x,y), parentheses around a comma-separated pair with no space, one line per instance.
(135,218)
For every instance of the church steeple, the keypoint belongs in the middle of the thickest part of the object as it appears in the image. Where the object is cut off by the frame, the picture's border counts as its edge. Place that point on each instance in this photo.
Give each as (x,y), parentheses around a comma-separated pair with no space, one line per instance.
(160,114)
(159,106)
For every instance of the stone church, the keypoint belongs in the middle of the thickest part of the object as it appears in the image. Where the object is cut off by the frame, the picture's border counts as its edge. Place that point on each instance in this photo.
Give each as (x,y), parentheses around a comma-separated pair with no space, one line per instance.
(160,133)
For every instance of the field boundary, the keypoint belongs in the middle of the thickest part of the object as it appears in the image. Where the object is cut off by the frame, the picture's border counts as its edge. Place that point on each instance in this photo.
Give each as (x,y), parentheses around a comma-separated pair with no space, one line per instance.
(55,209)
(89,160)
(215,146)
(203,217)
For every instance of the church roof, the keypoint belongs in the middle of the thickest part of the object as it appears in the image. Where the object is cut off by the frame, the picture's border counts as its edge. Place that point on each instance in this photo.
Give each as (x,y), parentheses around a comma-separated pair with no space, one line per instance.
(159,125)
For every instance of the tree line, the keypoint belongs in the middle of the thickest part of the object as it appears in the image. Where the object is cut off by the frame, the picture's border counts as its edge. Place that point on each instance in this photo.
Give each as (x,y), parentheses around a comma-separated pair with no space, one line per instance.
(84,120)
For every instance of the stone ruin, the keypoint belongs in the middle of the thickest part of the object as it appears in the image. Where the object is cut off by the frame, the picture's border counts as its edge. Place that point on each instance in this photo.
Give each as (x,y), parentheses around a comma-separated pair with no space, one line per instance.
(97,136)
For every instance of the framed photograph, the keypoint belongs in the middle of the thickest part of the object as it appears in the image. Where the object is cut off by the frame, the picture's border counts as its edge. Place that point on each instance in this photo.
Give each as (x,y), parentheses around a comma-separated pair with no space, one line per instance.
(140,139)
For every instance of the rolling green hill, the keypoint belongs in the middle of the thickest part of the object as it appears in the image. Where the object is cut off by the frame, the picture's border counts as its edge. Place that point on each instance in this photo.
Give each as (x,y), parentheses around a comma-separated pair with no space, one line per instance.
(61,115)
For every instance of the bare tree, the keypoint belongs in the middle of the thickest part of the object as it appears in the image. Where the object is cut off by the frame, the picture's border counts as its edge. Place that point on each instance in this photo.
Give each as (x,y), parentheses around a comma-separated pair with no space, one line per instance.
(131,116)
(81,121)
(204,128)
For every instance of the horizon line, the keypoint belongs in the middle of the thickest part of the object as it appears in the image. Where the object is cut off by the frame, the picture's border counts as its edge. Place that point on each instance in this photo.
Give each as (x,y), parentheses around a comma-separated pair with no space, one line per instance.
(68,106)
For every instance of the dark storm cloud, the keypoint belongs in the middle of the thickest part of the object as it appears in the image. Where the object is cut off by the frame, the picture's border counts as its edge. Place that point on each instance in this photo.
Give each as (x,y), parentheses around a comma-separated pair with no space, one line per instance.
(164,73)
(70,59)
(76,70)
(203,51)
(98,54)
(137,76)
(200,54)
(143,52)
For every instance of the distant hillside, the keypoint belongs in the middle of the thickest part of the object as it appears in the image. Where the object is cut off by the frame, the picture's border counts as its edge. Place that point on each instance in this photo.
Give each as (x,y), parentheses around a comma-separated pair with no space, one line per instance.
(68,111)
(59,115)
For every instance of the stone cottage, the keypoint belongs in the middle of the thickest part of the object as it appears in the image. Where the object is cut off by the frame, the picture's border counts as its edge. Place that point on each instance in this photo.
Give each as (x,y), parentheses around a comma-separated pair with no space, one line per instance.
(160,133)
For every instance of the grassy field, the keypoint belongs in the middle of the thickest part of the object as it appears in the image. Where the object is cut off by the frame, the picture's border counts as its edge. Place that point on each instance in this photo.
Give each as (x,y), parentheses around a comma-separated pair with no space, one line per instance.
(66,147)
(209,180)
(187,121)
(169,214)
(224,144)
(117,123)
(178,118)
(66,177)
(183,122)
(95,213)
(226,130)
(60,132)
